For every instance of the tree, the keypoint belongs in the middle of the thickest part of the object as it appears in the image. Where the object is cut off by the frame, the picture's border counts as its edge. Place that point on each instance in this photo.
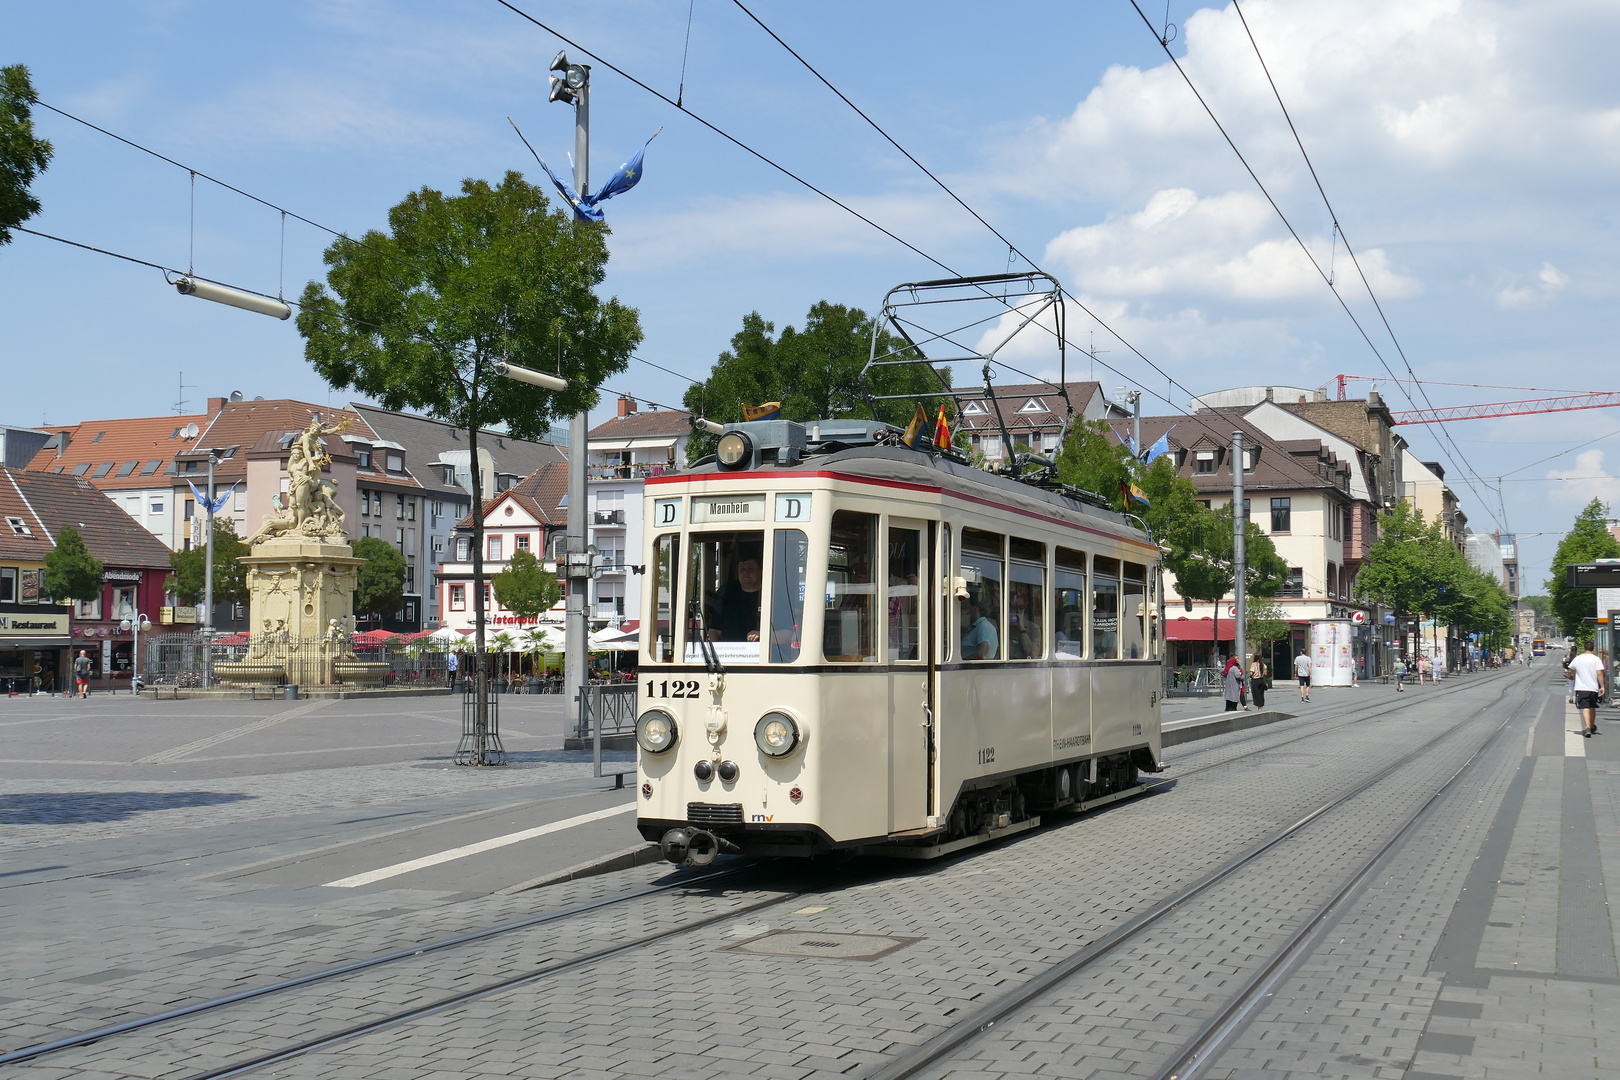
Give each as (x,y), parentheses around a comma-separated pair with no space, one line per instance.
(1091,459)
(1588,539)
(22,156)
(71,572)
(1267,624)
(524,588)
(422,313)
(230,576)
(815,373)
(1202,555)
(379,585)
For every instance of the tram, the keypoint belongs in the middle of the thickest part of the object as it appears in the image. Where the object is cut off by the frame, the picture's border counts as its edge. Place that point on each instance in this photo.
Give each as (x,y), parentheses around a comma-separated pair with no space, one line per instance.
(859,646)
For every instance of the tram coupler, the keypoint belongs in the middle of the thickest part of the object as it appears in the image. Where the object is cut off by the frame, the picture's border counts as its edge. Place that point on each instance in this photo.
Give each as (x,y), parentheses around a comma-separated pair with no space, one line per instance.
(693,847)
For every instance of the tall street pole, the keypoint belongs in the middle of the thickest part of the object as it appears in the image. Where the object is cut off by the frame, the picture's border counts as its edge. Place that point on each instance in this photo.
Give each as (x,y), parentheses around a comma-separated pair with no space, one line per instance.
(208,582)
(576,657)
(1239,561)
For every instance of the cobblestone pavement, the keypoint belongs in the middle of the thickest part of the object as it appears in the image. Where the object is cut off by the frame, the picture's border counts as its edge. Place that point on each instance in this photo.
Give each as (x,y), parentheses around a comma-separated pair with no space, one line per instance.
(985,921)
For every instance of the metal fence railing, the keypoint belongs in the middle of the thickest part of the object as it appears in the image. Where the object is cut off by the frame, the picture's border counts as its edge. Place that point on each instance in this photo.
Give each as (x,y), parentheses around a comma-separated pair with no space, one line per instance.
(198,661)
(614,707)
(480,734)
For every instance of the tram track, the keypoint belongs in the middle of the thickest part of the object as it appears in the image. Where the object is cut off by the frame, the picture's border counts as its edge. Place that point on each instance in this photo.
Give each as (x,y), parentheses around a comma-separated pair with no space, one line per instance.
(559,967)
(1195,1054)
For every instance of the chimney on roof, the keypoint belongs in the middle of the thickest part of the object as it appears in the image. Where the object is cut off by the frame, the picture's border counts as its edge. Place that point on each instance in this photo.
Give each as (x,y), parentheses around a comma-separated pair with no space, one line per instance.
(215,404)
(1269,396)
(1302,399)
(627,405)
(61,443)
(1373,398)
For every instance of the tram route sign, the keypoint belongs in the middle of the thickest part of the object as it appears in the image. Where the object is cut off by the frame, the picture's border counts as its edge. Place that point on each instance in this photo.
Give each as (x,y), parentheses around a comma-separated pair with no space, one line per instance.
(1603,574)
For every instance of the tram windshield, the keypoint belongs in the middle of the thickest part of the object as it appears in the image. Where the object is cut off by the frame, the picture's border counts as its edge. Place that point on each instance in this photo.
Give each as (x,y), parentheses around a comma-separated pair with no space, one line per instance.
(725,581)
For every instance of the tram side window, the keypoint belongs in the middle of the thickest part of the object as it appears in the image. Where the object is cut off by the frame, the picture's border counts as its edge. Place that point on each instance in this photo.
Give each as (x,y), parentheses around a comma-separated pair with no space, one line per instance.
(846,635)
(1069,604)
(1153,613)
(1133,613)
(666,565)
(948,594)
(1026,590)
(905,560)
(1105,608)
(981,609)
(725,575)
(789,557)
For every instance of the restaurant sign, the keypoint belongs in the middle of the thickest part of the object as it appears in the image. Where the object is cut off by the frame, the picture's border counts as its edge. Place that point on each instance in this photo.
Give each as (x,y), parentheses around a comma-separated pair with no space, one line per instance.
(13,625)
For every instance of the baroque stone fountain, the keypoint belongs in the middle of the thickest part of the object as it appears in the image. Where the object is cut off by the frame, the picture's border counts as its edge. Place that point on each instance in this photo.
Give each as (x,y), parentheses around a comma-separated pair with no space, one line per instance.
(301,578)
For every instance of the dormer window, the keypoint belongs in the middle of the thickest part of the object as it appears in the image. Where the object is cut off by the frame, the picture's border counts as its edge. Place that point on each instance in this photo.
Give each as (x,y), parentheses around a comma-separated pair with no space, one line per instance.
(19,526)
(363,458)
(1204,462)
(396,463)
(973,408)
(1033,405)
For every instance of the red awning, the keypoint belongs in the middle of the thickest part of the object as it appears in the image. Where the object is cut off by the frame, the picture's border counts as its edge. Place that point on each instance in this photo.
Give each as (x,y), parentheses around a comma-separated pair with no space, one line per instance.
(1185,629)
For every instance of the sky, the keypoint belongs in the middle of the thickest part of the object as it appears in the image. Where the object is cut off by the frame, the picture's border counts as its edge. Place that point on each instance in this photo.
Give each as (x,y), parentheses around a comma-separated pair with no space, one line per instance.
(1468,151)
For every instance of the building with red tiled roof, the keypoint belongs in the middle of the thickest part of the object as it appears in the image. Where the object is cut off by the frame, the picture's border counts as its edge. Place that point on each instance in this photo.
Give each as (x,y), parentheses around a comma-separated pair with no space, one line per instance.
(532,517)
(36,633)
(1033,412)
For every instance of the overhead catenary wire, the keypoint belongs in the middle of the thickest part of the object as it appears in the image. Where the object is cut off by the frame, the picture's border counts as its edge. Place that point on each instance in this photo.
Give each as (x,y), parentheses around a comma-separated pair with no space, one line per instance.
(1012,247)
(1339,232)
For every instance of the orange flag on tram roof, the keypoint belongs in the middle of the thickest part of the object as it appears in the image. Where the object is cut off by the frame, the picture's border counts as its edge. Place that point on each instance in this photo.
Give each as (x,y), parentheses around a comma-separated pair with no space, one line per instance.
(942,430)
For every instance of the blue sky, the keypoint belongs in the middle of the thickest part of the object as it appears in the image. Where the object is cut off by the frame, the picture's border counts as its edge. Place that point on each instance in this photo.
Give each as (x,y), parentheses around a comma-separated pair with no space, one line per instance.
(1469,151)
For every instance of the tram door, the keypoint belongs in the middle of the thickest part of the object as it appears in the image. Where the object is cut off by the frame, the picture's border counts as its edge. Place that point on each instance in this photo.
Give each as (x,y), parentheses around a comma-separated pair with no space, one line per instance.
(909,575)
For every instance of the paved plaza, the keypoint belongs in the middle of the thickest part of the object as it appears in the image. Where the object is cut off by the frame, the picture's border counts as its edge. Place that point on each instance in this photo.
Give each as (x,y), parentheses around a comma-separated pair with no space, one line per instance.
(158,855)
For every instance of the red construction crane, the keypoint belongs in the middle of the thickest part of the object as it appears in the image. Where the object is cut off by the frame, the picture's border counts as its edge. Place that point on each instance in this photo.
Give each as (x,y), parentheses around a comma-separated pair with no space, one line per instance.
(1561,403)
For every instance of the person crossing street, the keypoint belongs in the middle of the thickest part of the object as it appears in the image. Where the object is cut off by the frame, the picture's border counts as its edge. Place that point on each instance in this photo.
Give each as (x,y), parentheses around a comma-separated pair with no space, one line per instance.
(1302,671)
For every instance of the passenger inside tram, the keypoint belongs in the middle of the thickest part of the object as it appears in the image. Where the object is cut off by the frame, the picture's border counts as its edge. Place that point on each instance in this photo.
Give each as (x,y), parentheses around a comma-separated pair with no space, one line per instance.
(738,603)
(979,638)
(1024,621)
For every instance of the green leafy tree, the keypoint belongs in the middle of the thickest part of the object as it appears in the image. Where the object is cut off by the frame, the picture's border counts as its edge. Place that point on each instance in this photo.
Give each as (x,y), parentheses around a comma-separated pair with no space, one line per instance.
(418,317)
(379,585)
(815,373)
(524,588)
(1202,554)
(230,576)
(1588,539)
(1091,459)
(71,572)
(22,156)
(1267,624)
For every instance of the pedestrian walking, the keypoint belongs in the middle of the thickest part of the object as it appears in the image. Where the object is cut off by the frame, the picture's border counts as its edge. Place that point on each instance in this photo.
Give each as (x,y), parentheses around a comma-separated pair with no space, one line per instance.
(1233,676)
(1422,668)
(81,674)
(1400,675)
(1590,681)
(1259,681)
(1569,697)
(1302,671)
(450,669)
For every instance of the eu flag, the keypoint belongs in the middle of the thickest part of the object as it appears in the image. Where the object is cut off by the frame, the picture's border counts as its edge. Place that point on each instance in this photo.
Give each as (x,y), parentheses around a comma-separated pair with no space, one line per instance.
(623,179)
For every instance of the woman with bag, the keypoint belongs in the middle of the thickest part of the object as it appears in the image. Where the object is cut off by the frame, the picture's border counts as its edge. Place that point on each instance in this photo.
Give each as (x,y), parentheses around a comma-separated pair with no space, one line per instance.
(1259,681)
(1233,675)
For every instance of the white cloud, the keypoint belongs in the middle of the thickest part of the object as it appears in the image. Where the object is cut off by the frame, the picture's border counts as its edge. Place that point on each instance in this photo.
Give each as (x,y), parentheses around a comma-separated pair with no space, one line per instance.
(1587,478)
(1229,245)
(1549,279)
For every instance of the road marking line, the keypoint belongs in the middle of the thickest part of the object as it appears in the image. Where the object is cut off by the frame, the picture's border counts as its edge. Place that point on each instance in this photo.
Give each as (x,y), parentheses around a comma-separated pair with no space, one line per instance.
(1574,743)
(164,757)
(474,849)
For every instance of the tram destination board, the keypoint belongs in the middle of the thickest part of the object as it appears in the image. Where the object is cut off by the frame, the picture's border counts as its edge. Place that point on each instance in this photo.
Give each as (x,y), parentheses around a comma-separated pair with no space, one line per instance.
(1604,574)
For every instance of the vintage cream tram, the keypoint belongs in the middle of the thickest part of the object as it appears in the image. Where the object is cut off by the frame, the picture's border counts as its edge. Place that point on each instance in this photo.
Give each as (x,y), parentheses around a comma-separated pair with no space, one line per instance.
(855,645)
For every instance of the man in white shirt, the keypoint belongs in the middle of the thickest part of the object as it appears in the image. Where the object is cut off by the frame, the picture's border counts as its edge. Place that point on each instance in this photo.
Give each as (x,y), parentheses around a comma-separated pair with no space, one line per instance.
(1302,670)
(1591,683)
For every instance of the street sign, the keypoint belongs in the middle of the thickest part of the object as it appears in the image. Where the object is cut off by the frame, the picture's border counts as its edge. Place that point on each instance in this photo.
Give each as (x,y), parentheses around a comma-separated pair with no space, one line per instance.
(1604,574)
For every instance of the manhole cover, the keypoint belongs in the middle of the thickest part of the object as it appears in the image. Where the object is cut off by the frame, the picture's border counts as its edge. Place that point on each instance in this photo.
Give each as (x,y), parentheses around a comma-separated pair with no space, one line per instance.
(830,946)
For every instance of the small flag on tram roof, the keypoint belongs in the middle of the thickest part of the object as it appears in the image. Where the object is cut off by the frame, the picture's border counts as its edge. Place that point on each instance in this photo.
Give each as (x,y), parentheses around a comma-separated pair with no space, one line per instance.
(919,421)
(768,411)
(942,430)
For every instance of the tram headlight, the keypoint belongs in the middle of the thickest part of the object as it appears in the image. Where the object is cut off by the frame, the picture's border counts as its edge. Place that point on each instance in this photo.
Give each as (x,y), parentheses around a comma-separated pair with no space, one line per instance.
(776,734)
(655,731)
(734,450)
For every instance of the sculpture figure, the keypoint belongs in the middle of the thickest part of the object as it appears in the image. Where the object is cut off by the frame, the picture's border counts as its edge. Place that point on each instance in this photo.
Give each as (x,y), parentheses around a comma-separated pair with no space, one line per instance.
(311,506)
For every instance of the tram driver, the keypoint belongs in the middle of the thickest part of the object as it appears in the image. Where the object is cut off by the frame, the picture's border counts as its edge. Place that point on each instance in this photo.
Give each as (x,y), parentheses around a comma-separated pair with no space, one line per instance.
(739,601)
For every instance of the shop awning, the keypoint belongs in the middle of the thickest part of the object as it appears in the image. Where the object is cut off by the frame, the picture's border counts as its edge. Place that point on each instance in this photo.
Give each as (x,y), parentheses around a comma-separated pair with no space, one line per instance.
(1198,630)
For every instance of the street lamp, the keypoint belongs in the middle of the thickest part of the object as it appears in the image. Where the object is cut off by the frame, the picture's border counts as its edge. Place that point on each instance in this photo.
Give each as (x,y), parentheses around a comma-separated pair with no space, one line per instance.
(137,624)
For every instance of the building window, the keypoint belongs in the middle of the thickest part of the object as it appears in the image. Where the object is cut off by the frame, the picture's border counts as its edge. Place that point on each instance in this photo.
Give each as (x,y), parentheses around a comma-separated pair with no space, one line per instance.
(1294,586)
(399,540)
(410,510)
(495,549)
(376,504)
(399,508)
(458,598)
(992,446)
(157,506)
(19,526)
(396,462)
(410,579)
(1205,462)
(1347,523)
(410,611)
(124,603)
(463,548)
(1245,509)
(8,584)
(365,504)
(363,458)
(191,509)
(365,530)
(87,609)
(523,541)
(1282,515)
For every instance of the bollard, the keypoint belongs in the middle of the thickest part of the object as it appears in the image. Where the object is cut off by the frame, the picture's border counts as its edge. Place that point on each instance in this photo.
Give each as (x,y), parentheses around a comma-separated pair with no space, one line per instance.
(289,692)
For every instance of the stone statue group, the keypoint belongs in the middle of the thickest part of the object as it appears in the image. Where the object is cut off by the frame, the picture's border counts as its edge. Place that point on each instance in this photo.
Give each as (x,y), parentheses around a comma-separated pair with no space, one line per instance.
(311,507)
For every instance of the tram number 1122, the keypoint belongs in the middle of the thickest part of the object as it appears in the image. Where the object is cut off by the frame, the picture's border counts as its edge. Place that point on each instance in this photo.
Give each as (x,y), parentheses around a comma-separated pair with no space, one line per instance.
(672,688)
